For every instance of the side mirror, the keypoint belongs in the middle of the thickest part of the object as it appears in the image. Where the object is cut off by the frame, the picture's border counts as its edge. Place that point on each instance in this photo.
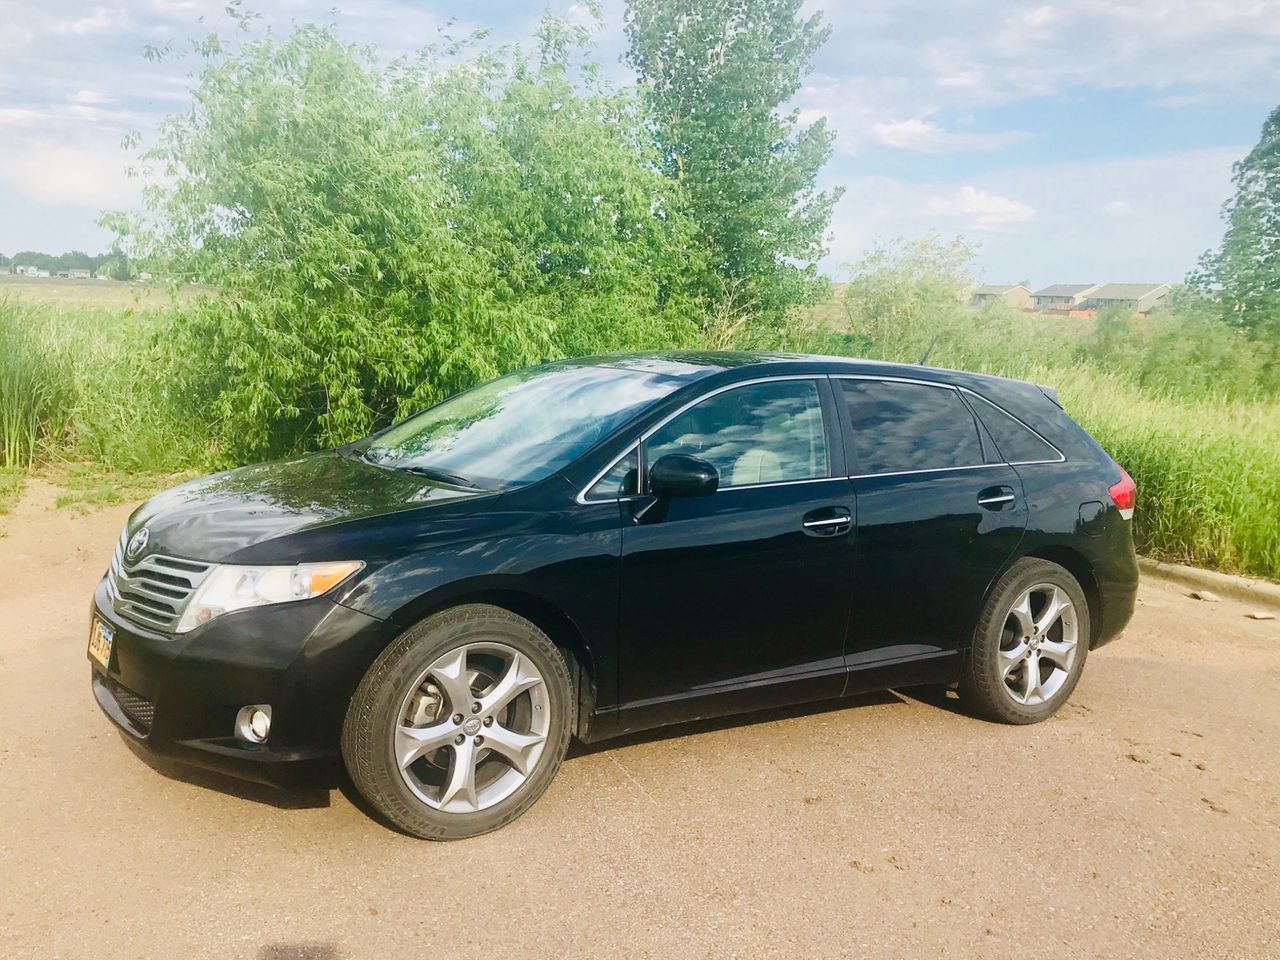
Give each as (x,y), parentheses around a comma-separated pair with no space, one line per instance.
(680,475)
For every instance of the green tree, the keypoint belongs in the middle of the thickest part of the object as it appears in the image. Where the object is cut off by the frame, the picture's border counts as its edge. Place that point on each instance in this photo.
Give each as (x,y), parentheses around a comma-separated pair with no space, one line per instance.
(1246,267)
(717,74)
(384,236)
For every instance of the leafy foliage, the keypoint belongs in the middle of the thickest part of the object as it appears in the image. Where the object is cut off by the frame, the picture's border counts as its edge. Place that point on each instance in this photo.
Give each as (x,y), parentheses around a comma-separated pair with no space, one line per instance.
(1247,266)
(716,73)
(383,237)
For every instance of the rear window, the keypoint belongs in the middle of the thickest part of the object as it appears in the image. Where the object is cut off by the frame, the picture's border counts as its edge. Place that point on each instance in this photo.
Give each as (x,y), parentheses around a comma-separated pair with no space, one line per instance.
(901,427)
(1016,442)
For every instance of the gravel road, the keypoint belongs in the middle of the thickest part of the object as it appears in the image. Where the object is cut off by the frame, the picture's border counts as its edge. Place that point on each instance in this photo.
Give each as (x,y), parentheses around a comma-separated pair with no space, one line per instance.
(1142,821)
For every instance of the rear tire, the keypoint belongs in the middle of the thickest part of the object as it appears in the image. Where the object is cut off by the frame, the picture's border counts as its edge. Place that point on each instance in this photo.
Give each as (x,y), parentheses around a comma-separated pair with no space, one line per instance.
(1030,644)
(460,724)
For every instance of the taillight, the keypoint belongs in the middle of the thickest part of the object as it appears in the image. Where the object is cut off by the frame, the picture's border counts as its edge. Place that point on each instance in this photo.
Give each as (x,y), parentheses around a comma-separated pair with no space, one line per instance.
(1124,494)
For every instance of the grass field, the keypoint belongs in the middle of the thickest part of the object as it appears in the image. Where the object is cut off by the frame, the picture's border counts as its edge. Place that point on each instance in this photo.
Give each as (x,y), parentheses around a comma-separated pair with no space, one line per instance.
(88,293)
(88,395)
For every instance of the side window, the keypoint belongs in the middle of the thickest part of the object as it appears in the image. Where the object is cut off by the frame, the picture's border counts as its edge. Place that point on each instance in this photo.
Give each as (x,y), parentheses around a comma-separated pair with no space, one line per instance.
(761,433)
(1017,443)
(618,482)
(898,427)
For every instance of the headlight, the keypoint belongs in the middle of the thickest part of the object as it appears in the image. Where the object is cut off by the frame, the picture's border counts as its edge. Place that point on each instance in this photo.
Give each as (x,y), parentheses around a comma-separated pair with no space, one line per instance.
(228,588)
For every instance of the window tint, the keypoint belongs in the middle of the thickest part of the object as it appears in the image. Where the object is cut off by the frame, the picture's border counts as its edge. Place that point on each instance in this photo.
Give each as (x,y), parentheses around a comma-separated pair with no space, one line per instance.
(1016,443)
(618,482)
(762,433)
(909,426)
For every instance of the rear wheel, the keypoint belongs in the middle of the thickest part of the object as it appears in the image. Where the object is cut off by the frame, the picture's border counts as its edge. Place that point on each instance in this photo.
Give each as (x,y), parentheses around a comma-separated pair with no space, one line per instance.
(1030,644)
(460,724)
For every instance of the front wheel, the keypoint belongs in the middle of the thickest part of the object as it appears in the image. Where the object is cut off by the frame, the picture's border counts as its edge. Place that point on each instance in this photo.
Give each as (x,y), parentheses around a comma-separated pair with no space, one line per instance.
(460,724)
(1030,644)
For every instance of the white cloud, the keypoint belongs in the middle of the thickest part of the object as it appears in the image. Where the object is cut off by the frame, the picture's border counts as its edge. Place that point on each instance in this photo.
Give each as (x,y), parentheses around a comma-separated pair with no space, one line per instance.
(580,15)
(1016,51)
(922,136)
(980,209)
(102,18)
(917,59)
(90,98)
(56,174)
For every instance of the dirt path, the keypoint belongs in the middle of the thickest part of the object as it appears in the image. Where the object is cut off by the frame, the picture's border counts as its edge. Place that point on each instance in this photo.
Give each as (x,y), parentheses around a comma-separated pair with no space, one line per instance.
(1143,821)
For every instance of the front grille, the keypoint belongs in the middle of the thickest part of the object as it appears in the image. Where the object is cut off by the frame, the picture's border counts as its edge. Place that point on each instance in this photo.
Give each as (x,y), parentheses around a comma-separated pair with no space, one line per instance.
(138,709)
(154,590)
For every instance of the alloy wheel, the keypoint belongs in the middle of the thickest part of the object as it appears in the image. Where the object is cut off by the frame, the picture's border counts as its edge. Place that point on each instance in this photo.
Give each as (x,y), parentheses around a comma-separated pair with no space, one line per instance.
(472,727)
(1038,644)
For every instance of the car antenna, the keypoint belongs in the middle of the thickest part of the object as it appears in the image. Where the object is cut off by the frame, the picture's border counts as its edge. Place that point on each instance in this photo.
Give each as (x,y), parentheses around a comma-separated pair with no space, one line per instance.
(932,343)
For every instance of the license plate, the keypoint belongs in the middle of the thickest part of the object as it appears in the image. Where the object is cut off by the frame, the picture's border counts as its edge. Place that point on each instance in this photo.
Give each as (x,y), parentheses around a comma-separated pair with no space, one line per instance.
(100,638)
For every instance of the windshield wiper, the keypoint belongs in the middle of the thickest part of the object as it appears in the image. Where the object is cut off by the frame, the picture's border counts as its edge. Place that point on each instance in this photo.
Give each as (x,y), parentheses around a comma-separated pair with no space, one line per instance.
(433,473)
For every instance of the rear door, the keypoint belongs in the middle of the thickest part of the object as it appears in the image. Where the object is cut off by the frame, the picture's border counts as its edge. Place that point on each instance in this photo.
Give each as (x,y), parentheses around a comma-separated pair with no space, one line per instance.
(936,521)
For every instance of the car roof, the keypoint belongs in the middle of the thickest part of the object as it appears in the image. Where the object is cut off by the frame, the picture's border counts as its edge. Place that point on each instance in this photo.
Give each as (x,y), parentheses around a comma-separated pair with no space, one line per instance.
(695,365)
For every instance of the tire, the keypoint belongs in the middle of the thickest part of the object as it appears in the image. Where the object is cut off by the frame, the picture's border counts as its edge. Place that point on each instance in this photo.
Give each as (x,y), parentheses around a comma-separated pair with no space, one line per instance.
(412,706)
(1017,628)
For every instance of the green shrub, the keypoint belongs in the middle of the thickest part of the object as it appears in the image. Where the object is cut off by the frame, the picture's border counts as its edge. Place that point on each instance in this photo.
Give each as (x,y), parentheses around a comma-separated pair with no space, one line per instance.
(383,237)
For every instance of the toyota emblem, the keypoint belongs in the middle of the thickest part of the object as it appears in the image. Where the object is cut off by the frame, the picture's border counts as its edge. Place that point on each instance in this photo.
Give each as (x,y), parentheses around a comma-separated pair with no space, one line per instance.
(137,543)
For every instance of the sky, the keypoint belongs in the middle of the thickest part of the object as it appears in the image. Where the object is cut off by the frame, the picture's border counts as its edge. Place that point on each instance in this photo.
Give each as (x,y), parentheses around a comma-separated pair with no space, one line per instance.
(1087,141)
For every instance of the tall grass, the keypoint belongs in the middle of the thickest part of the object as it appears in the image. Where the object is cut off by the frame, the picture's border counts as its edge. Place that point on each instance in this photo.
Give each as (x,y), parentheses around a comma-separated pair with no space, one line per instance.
(93,384)
(35,389)
(1208,471)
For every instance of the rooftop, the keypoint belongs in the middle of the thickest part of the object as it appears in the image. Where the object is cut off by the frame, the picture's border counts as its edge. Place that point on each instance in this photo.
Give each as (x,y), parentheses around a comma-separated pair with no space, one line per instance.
(995,289)
(1064,289)
(1126,291)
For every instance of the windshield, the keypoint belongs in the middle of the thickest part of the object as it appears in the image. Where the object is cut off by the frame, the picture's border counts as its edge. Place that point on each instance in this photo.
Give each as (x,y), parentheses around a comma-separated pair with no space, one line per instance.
(519,428)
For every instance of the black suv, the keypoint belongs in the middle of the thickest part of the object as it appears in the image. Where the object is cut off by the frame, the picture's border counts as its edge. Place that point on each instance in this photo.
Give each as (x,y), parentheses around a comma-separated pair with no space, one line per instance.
(604,545)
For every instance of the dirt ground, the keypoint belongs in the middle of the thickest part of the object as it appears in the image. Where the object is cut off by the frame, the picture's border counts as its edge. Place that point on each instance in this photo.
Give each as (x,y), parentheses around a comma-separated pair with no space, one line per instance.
(1142,821)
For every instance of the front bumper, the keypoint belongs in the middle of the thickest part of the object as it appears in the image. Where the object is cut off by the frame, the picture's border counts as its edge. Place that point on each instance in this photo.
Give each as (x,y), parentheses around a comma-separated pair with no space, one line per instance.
(178,696)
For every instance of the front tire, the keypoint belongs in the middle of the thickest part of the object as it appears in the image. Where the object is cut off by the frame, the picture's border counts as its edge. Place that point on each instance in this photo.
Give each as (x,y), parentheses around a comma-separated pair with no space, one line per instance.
(460,724)
(1030,644)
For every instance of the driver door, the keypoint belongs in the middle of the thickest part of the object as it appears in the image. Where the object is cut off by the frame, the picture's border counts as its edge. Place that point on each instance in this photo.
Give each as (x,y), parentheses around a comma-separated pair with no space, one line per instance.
(740,600)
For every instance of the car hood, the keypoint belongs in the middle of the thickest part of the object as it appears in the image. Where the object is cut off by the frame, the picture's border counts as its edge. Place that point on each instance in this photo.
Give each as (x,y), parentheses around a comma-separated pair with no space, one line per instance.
(216,516)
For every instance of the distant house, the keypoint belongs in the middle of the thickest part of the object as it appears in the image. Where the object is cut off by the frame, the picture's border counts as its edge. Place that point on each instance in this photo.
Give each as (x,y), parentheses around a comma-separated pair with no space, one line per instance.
(23,270)
(78,273)
(1138,297)
(1014,294)
(1064,296)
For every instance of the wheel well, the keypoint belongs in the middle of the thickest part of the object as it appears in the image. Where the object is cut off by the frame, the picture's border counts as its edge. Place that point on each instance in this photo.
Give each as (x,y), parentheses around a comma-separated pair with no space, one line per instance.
(1079,567)
(563,633)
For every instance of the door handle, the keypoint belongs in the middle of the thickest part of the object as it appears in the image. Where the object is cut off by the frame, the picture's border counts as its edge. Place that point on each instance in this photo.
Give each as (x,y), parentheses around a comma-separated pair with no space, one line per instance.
(828,522)
(996,497)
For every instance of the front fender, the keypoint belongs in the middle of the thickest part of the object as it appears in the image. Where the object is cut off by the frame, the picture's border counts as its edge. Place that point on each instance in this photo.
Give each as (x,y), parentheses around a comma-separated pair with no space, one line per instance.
(565,562)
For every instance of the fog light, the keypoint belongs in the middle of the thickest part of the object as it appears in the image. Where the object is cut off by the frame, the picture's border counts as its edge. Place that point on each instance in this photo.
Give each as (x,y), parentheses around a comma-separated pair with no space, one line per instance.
(253,723)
